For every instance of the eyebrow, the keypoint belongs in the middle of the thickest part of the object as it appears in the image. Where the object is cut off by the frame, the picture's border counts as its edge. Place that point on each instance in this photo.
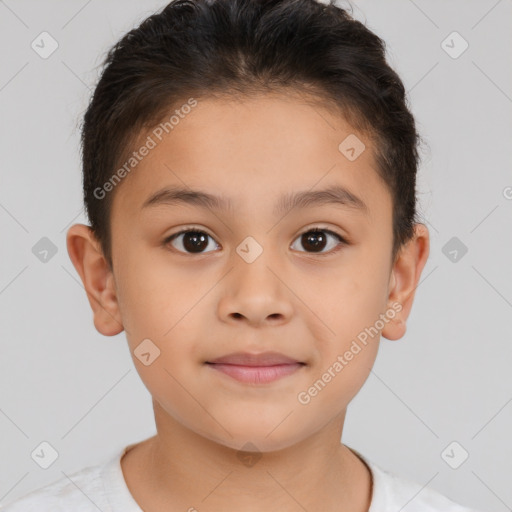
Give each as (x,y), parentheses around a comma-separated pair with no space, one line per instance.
(335,195)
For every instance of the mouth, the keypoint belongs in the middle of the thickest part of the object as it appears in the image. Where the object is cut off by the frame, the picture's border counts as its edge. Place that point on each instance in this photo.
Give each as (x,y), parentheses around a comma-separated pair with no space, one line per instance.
(256,368)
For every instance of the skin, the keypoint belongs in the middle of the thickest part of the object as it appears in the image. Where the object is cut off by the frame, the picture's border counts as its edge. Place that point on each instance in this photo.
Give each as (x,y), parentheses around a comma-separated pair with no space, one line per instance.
(195,307)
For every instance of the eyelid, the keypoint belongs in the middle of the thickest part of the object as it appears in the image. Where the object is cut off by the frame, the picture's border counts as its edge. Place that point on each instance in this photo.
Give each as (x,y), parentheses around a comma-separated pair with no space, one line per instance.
(327,229)
(313,227)
(187,229)
(342,241)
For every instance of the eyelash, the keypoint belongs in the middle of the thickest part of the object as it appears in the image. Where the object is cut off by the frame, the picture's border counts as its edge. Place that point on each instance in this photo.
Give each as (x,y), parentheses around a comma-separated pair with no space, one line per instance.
(342,240)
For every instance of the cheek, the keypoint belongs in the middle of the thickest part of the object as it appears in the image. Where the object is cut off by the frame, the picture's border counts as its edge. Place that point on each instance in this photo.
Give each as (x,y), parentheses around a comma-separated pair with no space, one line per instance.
(365,285)
(349,306)
(352,300)
(169,387)
(331,392)
(153,296)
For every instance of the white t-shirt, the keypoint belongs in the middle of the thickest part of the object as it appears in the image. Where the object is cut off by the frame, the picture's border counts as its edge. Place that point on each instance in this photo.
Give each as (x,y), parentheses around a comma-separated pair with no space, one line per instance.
(102,488)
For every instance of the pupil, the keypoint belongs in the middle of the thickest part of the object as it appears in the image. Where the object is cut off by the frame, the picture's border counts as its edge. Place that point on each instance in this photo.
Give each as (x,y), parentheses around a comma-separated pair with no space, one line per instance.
(193,240)
(315,239)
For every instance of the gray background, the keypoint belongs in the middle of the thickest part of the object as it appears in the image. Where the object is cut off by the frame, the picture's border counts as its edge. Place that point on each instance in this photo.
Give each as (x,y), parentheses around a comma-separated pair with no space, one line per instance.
(447,380)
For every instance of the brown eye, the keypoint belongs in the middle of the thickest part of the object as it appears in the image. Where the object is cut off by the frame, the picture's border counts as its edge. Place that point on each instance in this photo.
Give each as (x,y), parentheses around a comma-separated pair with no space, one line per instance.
(316,240)
(190,241)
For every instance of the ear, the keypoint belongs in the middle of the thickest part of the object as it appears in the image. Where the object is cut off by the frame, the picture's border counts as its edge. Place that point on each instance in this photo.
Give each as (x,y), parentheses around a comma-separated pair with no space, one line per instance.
(404,279)
(98,280)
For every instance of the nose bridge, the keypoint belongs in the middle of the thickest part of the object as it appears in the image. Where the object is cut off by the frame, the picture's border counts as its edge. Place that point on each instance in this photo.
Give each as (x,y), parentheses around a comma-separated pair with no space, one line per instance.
(253,290)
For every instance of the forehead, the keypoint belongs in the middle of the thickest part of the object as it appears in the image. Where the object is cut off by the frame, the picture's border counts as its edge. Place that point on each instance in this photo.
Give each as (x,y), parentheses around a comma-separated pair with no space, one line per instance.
(255,151)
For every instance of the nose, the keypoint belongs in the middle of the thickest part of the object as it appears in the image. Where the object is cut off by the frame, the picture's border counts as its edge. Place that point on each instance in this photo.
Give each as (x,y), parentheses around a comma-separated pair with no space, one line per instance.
(255,293)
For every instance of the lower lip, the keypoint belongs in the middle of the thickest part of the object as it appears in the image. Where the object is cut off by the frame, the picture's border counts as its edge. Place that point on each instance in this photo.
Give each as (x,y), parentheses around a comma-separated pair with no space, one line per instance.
(256,374)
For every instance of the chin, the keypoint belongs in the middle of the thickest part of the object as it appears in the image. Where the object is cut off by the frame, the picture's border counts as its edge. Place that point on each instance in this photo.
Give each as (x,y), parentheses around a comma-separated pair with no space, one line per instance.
(255,437)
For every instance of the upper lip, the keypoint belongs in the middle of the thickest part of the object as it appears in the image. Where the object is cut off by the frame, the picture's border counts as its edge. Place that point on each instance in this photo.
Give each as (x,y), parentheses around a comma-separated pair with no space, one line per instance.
(248,359)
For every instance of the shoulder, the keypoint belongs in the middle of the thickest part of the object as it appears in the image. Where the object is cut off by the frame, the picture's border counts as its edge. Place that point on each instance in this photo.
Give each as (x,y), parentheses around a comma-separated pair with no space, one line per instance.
(394,492)
(82,491)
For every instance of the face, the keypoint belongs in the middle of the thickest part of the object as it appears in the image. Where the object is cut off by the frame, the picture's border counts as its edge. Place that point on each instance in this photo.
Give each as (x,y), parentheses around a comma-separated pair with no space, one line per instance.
(253,271)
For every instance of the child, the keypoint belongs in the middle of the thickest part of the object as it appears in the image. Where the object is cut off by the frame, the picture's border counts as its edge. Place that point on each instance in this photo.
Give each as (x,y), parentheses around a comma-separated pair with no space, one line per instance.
(249,176)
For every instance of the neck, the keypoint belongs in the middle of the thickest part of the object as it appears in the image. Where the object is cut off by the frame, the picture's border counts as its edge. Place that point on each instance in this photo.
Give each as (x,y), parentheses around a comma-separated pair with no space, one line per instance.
(181,470)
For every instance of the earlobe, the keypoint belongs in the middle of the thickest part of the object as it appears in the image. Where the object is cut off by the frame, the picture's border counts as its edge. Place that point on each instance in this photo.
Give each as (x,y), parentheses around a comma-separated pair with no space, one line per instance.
(86,255)
(404,280)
